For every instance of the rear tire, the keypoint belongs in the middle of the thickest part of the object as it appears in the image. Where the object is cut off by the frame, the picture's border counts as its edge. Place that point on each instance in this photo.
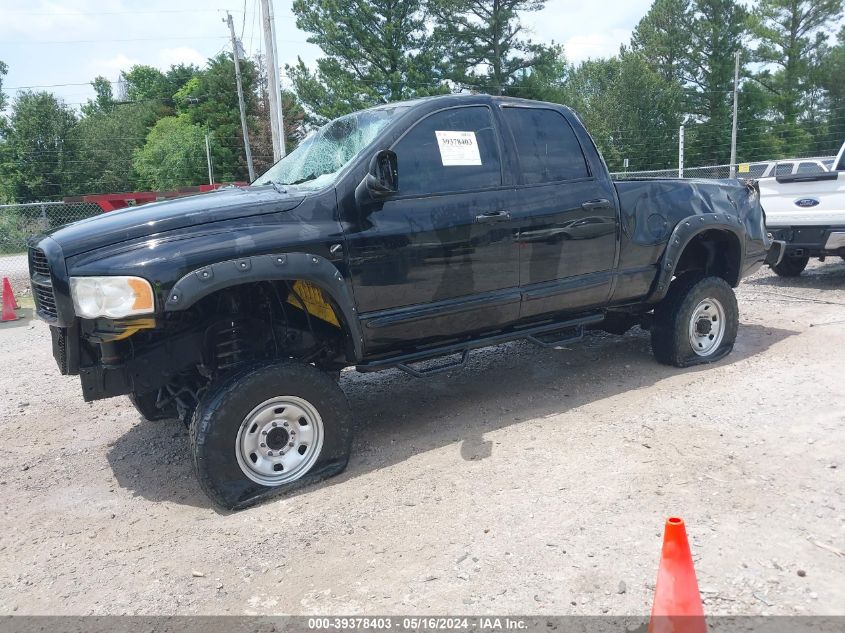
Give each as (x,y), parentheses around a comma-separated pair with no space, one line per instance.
(267,430)
(696,322)
(791,266)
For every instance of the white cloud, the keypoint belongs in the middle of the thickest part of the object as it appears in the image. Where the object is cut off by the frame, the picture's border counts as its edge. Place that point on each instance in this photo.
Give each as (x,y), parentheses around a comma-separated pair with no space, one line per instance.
(51,43)
(586,29)
(592,45)
(111,67)
(45,20)
(181,55)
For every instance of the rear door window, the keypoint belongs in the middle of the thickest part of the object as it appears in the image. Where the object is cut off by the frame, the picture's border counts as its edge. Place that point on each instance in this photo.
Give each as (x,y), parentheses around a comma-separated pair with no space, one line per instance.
(757,170)
(808,168)
(449,151)
(547,146)
(783,169)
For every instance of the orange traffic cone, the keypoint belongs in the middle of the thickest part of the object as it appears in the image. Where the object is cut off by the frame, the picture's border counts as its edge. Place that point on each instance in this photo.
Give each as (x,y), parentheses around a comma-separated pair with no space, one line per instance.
(8,305)
(677,602)
(8,287)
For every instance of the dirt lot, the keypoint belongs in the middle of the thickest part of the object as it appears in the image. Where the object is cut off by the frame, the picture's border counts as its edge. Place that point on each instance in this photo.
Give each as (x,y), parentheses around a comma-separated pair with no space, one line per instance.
(534,481)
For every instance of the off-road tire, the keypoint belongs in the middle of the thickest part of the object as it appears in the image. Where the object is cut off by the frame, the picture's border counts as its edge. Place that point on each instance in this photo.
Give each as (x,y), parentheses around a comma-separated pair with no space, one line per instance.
(214,430)
(791,266)
(670,332)
(145,404)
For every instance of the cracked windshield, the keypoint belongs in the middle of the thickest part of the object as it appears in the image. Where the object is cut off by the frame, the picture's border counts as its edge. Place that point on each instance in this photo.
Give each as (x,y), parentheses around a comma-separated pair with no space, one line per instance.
(320,158)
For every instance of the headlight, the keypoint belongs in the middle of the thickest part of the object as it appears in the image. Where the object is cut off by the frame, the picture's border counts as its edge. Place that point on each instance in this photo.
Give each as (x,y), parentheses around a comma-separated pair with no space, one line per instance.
(112,297)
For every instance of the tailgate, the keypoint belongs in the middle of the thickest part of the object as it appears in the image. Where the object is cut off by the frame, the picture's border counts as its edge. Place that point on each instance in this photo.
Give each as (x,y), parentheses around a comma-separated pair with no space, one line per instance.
(793,202)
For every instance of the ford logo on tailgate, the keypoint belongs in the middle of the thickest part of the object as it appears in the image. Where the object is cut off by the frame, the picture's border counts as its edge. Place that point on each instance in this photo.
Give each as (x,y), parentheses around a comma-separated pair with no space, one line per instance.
(805,203)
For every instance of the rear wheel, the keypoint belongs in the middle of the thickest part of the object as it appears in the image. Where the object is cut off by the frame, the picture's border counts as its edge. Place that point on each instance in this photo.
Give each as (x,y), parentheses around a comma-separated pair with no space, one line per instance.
(791,266)
(269,429)
(696,322)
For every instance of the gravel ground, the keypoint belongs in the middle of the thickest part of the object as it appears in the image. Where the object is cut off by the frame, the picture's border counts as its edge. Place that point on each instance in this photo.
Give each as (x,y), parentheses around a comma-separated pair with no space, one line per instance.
(533,482)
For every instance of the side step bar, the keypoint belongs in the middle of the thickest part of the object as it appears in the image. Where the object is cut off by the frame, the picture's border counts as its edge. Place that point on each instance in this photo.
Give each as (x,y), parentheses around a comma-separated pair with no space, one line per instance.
(560,333)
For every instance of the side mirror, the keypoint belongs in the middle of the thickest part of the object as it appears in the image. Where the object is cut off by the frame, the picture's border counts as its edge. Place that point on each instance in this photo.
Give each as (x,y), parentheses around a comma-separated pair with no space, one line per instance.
(382,179)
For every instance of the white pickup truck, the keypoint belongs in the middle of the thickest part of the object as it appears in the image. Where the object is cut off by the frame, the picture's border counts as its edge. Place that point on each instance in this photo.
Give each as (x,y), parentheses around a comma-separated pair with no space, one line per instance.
(807,211)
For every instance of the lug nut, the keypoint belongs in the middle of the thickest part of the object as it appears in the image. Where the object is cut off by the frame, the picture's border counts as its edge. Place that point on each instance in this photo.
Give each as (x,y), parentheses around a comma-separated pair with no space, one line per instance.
(270,453)
(263,432)
(290,444)
(263,445)
(285,423)
(274,424)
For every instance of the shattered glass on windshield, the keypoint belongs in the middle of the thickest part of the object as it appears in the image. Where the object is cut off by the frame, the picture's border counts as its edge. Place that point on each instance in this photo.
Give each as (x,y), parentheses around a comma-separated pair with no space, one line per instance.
(320,158)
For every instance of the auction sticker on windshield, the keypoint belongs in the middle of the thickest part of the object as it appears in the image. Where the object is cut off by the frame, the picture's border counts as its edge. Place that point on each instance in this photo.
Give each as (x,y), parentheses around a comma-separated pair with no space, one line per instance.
(458,148)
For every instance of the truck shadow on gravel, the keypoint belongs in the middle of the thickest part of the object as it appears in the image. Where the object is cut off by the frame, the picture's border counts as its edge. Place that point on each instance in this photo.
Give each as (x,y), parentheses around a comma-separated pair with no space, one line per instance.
(829,275)
(398,417)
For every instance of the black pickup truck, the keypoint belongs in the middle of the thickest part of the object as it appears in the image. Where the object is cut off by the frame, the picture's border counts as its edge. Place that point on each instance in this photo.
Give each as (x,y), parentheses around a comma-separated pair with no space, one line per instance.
(401,236)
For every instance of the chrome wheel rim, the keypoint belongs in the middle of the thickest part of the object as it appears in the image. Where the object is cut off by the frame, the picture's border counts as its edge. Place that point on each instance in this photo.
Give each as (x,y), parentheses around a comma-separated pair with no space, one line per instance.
(707,327)
(279,440)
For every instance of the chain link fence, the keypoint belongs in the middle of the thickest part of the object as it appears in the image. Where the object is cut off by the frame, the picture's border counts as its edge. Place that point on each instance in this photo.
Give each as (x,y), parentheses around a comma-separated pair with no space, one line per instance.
(19,221)
(757,169)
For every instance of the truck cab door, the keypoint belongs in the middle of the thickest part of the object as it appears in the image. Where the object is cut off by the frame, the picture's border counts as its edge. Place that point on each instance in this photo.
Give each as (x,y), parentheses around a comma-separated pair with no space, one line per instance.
(566,213)
(437,259)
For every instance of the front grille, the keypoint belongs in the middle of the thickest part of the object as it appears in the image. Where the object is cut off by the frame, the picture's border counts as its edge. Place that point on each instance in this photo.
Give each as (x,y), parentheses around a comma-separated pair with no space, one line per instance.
(42,285)
(38,262)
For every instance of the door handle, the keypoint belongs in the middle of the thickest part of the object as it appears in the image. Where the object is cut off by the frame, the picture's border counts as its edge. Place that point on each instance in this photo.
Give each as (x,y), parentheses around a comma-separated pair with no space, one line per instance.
(493,216)
(598,203)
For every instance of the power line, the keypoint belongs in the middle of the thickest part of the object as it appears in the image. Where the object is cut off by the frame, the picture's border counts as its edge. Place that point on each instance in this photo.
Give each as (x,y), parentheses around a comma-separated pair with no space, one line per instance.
(122,39)
(98,13)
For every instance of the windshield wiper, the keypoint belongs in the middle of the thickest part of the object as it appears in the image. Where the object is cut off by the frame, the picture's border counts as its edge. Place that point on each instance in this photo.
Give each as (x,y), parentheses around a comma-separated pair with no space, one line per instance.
(311,176)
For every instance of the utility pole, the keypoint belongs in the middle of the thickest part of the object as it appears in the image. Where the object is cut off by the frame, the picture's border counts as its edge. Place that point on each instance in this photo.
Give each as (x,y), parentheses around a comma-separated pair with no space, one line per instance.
(681,152)
(276,126)
(733,129)
(208,160)
(279,114)
(244,128)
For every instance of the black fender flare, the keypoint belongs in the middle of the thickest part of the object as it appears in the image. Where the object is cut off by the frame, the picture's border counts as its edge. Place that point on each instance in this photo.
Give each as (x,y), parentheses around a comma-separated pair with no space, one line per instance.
(318,270)
(685,231)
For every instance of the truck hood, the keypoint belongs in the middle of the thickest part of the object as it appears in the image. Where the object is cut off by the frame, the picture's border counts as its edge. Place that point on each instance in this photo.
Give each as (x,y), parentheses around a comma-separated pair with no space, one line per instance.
(159,217)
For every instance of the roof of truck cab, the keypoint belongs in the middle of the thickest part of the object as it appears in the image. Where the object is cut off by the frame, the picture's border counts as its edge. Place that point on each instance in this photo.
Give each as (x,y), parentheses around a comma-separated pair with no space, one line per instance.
(479,97)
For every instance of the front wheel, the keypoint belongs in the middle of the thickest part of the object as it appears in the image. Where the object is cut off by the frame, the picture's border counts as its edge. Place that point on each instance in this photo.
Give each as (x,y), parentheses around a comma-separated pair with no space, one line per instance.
(268,429)
(146,405)
(791,266)
(696,322)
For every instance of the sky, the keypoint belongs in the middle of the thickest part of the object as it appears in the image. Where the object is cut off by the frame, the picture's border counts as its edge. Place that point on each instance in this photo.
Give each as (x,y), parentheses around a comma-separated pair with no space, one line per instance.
(61,45)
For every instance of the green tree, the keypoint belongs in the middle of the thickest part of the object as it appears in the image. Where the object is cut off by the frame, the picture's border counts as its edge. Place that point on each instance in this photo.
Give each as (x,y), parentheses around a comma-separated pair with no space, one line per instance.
(210,100)
(4,69)
(173,155)
(756,139)
(104,101)
(374,52)
(663,37)
(104,144)
(546,81)
(833,81)
(718,29)
(149,84)
(630,109)
(791,33)
(145,83)
(484,43)
(36,150)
